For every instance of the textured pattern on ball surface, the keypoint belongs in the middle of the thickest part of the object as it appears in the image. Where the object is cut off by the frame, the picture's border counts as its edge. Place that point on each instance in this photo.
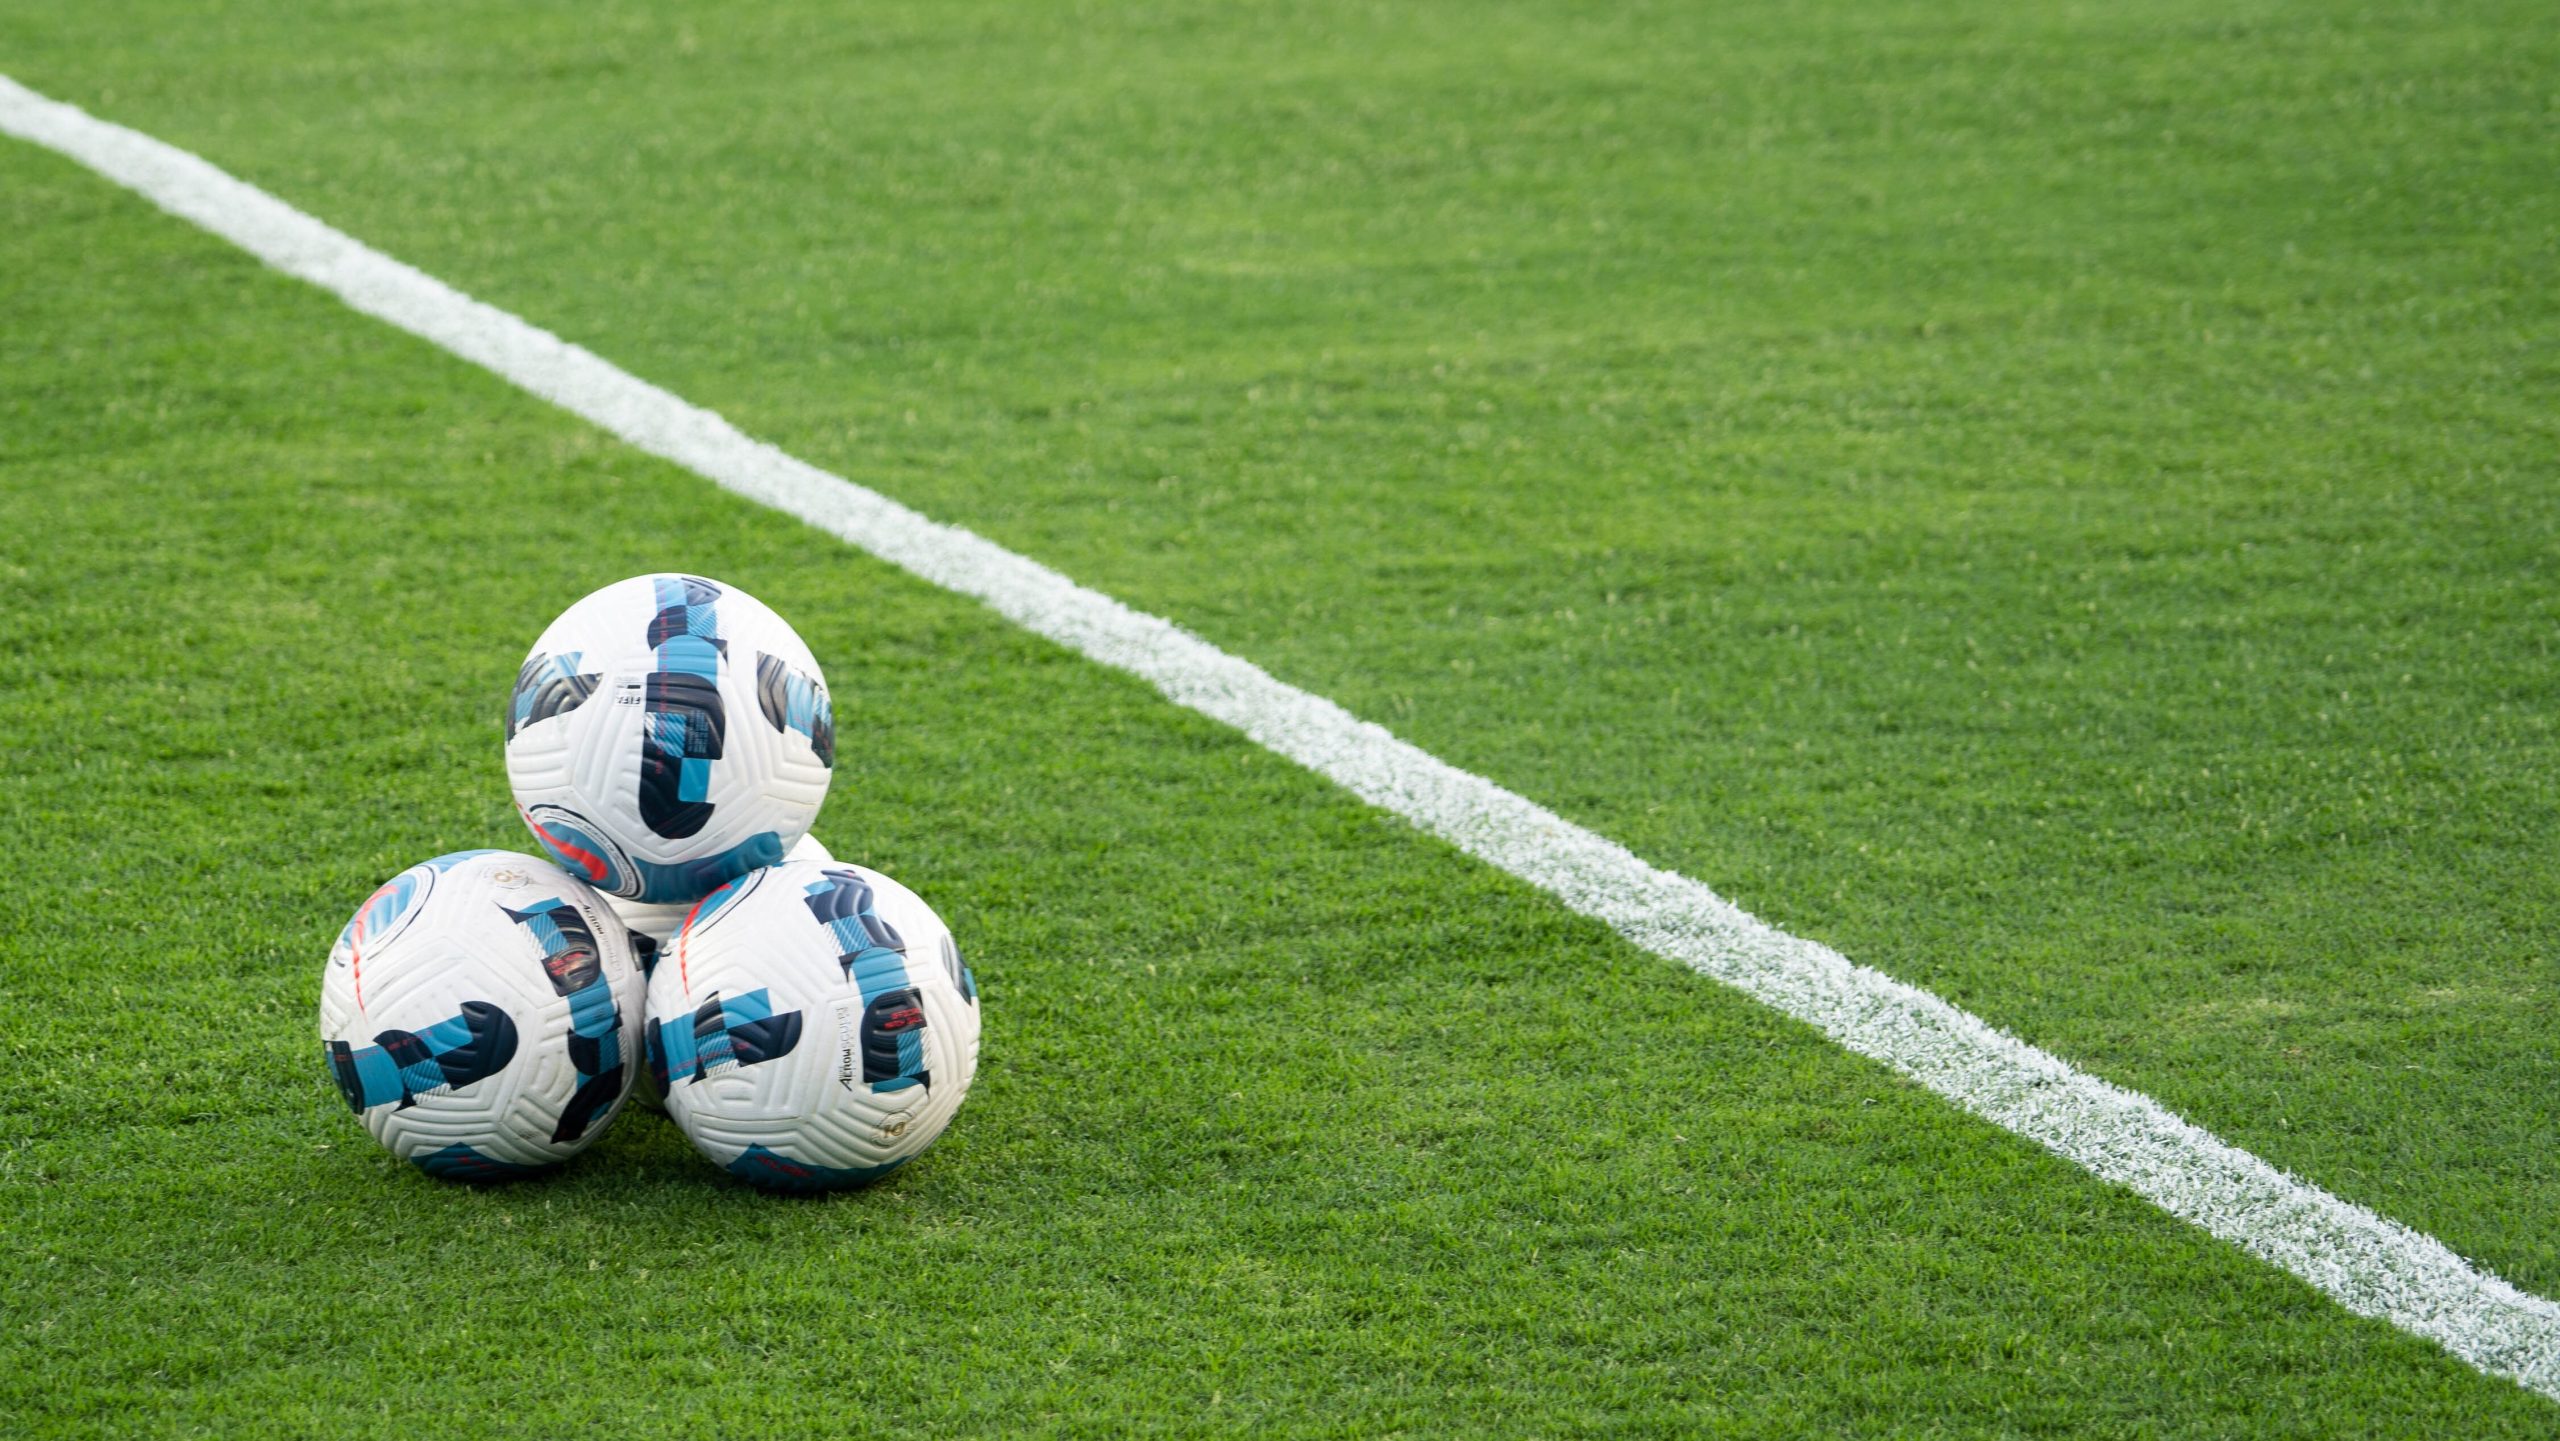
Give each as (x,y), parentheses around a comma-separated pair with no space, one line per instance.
(481,1013)
(813,1026)
(668,734)
(655,922)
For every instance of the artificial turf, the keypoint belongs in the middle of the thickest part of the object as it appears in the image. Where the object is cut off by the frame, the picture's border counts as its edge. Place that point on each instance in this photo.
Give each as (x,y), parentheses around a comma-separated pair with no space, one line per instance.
(2056,504)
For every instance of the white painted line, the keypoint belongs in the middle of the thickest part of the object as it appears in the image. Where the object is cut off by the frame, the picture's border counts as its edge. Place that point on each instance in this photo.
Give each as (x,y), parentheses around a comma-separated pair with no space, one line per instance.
(2369,1264)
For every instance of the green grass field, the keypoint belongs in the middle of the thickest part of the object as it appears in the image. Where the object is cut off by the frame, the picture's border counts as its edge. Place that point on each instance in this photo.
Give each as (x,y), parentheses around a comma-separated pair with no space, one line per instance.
(2059,504)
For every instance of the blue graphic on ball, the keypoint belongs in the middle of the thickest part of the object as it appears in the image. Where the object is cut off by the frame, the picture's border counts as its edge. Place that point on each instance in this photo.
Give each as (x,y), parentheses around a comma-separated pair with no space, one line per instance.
(681,729)
(461,1163)
(776,1172)
(739,1031)
(547,686)
(794,702)
(576,970)
(401,1066)
(874,958)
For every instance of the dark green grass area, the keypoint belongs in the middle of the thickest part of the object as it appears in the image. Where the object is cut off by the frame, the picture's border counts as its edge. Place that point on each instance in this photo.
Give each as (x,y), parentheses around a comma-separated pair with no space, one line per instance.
(1290,1121)
(2058,501)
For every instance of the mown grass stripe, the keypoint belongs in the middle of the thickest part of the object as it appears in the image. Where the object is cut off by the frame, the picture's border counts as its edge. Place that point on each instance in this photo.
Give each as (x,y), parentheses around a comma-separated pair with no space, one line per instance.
(2370,1264)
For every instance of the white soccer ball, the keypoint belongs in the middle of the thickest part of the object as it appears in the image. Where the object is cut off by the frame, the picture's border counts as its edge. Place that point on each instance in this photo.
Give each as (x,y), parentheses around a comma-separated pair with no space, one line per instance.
(480,1014)
(667,735)
(813,1026)
(655,922)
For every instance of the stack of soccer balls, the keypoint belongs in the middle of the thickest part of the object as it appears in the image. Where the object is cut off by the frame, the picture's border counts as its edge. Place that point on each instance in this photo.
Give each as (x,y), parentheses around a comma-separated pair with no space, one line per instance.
(809,1024)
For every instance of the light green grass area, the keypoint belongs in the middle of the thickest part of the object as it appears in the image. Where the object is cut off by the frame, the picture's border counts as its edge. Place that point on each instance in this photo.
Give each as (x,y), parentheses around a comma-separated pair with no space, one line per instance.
(2058,505)
(1289,1118)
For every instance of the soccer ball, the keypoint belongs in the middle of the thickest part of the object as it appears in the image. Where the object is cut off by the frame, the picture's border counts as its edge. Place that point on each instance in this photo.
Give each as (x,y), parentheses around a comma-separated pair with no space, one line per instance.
(478,1014)
(814,1026)
(653,923)
(669,734)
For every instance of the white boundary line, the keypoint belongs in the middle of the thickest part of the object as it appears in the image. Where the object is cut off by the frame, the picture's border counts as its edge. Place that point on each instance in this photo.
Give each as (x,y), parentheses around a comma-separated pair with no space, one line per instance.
(2370,1264)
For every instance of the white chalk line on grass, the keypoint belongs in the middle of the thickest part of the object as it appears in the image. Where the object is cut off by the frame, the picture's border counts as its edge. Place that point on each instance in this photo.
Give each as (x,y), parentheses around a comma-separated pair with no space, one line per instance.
(2370,1264)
